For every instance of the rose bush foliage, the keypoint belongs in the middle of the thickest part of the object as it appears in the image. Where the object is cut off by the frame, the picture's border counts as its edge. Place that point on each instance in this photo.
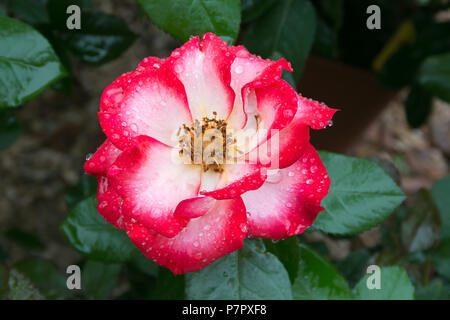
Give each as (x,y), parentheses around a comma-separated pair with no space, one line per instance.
(267,181)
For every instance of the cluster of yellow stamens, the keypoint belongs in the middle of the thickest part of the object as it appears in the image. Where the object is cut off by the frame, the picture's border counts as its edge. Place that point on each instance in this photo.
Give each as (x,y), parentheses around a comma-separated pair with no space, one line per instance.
(205,142)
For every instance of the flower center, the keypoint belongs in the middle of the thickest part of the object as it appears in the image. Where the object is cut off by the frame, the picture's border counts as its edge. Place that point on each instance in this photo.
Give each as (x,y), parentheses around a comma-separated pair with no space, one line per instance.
(206,143)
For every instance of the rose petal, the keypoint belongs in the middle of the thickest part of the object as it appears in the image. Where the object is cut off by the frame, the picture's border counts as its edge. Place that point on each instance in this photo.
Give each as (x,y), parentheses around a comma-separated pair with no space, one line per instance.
(149,102)
(313,113)
(237,179)
(204,239)
(194,207)
(204,70)
(102,159)
(152,184)
(247,73)
(289,201)
(110,204)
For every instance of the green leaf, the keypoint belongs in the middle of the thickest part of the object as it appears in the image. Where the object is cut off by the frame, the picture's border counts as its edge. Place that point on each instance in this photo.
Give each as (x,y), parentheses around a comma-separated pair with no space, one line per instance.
(252,9)
(24,239)
(31,11)
(168,286)
(250,273)
(10,128)
(434,75)
(141,274)
(354,265)
(441,259)
(99,279)
(3,254)
(145,265)
(436,290)
(93,237)
(388,167)
(332,10)
(440,191)
(20,288)
(361,195)
(288,252)
(326,40)
(399,70)
(395,285)
(286,30)
(50,281)
(28,64)
(418,106)
(185,18)
(3,282)
(421,227)
(102,37)
(317,278)
(85,188)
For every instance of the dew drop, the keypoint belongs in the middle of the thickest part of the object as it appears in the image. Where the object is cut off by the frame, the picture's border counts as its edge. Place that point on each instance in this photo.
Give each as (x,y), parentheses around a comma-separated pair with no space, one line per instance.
(198,256)
(178,68)
(103,204)
(238,69)
(309,181)
(288,113)
(274,177)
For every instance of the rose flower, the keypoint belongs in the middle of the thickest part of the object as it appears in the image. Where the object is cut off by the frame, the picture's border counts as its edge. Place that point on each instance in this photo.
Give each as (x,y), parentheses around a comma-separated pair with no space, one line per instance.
(205,148)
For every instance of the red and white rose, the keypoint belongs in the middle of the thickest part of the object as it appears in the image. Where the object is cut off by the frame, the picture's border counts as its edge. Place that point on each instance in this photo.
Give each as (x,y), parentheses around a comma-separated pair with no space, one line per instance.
(205,148)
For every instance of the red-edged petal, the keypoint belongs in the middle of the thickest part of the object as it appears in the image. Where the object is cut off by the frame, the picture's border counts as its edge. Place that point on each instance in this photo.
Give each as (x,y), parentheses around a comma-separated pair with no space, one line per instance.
(274,108)
(282,149)
(152,184)
(204,239)
(204,70)
(286,146)
(247,73)
(148,102)
(276,105)
(237,179)
(109,203)
(102,159)
(194,207)
(289,201)
(150,63)
(313,113)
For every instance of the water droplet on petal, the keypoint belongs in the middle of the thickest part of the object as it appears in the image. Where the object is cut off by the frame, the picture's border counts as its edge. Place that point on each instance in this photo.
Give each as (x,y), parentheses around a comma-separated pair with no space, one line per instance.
(238,69)
(178,68)
(274,177)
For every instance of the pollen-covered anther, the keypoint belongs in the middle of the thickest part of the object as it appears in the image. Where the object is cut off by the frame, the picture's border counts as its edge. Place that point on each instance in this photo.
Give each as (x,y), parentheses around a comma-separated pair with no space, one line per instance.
(205,143)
